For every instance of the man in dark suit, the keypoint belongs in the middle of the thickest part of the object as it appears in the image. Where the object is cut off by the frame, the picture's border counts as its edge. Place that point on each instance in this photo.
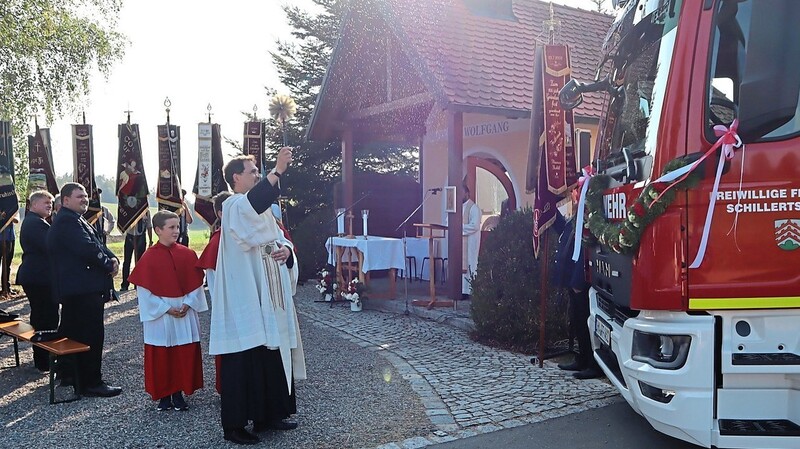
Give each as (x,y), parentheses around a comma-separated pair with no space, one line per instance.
(34,272)
(571,275)
(83,269)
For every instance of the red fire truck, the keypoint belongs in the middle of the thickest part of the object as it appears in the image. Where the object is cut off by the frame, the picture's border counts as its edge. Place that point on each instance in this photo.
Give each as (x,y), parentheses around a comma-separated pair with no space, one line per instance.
(707,352)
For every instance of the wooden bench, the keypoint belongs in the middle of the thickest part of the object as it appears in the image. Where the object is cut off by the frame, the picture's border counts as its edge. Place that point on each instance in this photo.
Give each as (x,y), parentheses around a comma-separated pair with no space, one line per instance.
(63,347)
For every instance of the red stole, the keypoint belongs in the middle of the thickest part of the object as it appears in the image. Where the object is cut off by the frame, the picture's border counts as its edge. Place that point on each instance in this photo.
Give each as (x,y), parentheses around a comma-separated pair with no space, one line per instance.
(168,271)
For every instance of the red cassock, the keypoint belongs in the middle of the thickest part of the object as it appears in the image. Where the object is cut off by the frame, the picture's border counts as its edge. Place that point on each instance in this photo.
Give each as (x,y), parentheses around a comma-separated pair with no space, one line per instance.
(208,261)
(170,272)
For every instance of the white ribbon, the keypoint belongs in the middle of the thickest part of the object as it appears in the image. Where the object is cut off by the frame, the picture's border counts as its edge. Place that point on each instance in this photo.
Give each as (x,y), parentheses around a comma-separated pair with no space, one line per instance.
(576,252)
(730,140)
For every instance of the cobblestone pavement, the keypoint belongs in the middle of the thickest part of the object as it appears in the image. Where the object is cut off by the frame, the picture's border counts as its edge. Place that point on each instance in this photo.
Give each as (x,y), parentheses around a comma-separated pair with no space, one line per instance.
(466,388)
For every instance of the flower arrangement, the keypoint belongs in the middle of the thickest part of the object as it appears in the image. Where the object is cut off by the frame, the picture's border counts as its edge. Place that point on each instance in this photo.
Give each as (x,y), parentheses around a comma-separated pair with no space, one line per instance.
(326,285)
(354,292)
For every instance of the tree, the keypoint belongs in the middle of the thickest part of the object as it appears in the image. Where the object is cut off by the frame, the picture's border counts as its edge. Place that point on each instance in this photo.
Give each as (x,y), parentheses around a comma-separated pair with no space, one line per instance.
(301,66)
(48,51)
(599,5)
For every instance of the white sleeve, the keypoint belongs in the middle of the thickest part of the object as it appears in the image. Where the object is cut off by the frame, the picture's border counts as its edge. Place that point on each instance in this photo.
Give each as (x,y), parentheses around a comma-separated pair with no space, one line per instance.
(474,221)
(248,228)
(210,275)
(196,299)
(151,307)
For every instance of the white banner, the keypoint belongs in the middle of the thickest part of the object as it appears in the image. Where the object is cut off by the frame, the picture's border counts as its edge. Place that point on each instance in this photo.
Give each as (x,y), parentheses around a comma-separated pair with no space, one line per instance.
(204,160)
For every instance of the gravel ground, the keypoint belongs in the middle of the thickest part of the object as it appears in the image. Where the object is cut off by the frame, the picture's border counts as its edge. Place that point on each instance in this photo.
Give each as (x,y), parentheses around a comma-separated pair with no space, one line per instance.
(353,398)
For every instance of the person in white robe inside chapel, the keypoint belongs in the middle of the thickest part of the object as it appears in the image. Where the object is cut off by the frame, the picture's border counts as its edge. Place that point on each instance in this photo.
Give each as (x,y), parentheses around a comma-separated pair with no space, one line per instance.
(471,220)
(254,324)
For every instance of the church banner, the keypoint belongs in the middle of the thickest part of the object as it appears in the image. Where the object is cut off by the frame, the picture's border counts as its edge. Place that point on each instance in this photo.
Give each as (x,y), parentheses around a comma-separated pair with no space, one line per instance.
(545,201)
(132,187)
(83,168)
(9,204)
(254,142)
(209,180)
(562,168)
(169,195)
(41,175)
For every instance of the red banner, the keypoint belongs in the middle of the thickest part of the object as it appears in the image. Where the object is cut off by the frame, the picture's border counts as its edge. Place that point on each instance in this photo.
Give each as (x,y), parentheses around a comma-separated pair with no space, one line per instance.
(41,175)
(132,187)
(562,168)
(254,142)
(83,168)
(169,194)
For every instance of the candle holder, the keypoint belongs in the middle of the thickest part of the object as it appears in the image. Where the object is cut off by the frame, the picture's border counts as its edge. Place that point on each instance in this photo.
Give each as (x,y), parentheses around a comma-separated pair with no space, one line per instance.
(364,217)
(340,222)
(350,217)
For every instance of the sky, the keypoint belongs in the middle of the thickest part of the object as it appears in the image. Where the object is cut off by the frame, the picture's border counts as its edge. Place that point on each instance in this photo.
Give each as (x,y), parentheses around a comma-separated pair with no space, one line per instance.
(196,55)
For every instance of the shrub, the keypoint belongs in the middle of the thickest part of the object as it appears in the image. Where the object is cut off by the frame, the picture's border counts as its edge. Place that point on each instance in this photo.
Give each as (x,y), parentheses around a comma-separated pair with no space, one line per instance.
(505,289)
(309,238)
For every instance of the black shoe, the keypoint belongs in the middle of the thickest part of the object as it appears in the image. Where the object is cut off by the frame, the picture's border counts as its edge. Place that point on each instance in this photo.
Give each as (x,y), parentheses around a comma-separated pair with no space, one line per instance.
(179,403)
(67,382)
(123,287)
(589,373)
(102,390)
(465,297)
(574,366)
(164,404)
(241,436)
(278,424)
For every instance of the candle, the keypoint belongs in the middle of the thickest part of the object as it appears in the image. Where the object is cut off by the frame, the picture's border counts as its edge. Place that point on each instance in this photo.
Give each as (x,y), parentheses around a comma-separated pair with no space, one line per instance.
(340,221)
(364,215)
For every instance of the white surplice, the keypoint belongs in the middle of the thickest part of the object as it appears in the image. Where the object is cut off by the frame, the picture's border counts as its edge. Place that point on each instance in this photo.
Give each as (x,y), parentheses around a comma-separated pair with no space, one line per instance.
(253,304)
(163,329)
(471,222)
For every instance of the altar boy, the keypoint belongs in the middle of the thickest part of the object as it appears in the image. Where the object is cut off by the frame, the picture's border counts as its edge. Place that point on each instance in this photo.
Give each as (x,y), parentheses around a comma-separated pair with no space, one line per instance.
(170,290)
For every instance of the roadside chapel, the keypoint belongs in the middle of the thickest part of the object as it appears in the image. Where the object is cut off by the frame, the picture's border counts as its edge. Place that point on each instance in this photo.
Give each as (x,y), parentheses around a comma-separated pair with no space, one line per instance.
(454,79)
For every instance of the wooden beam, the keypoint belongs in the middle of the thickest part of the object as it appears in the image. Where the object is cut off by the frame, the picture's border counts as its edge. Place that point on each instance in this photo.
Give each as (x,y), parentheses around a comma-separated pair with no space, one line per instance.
(347,168)
(455,158)
(390,106)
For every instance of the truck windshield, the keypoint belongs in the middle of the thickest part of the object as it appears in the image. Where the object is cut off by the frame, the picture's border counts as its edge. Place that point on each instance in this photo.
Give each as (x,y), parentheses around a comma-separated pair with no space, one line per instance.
(754,68)
(637,66)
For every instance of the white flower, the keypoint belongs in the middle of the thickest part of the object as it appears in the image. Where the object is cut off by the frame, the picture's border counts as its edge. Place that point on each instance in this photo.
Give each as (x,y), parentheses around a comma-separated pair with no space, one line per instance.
(354,297)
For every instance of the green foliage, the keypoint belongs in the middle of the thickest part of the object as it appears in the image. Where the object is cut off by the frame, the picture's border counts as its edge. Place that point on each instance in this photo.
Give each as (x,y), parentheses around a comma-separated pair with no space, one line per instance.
(48,51)
(301,65)
(309,237)
(505,290)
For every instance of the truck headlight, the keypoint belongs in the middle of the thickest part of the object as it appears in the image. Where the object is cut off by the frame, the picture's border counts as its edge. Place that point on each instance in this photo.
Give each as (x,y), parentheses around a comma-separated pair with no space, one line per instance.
(661,351)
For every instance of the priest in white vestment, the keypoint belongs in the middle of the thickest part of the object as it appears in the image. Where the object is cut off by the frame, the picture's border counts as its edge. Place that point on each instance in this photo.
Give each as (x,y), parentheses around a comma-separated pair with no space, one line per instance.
(471,221)
(254,324)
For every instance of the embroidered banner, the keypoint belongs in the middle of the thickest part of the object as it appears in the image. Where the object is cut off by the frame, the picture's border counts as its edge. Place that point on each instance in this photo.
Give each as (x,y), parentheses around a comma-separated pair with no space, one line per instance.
(9,203)
(209,180)
(562,167)
(545,201)
(41,175)
(254,142)
(83,168)
(132,187)
(169,195)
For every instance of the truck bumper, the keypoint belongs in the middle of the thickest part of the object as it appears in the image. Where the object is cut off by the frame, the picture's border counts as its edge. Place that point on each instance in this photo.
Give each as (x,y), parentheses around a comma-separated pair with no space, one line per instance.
(727,387)
(685,407)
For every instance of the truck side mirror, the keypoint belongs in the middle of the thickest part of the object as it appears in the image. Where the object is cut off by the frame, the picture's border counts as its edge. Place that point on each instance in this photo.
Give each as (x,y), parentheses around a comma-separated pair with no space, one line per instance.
(570,95)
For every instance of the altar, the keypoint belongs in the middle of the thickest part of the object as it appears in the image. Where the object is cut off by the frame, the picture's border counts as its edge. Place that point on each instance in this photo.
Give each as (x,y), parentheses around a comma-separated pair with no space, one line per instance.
(369,254)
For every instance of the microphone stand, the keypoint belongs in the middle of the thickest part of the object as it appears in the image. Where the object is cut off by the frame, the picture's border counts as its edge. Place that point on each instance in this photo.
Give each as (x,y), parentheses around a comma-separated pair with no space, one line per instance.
(329,244)
(428,194)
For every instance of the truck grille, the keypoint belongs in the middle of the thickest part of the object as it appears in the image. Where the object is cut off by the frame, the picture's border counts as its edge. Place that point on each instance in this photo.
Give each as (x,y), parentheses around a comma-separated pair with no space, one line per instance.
(617,313)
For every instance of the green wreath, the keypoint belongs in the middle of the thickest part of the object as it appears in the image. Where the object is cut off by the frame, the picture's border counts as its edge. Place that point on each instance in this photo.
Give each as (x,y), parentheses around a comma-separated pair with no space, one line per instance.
(624,237)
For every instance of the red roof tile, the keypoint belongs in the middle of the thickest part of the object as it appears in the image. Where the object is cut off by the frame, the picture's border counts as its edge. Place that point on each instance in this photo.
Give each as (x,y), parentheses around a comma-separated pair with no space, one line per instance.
(486,62)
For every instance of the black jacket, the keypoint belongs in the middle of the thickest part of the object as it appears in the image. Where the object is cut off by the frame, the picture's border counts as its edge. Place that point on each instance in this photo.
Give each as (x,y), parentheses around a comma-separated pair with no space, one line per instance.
(80,263)
(567,273)
(35,267)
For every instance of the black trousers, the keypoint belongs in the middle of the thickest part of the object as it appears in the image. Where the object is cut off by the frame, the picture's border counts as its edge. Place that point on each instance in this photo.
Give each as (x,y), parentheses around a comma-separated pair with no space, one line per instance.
(135,245)
(254,388)
(578,315)
(82,320)
(7,256)
(44,316)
